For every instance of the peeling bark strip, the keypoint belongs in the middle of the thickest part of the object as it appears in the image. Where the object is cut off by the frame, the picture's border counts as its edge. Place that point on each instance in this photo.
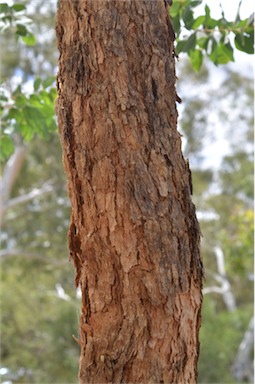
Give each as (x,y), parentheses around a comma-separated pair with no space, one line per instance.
(134,237)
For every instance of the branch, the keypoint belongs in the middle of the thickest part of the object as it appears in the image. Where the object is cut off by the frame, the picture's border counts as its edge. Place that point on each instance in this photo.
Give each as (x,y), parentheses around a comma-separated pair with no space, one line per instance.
(224,29)
(221,277)
(61,294)
(10,173)
(21,253)
(46,188)
(243,368)
(213,289)
(227,293)
(220,261)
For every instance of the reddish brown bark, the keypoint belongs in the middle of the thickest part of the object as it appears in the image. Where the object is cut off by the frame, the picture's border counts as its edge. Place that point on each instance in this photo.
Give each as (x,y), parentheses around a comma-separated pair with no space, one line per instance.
(134,237)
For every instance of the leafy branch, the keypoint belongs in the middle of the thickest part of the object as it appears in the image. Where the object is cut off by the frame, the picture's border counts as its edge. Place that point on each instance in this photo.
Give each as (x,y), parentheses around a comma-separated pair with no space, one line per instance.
(13,17)
(24,114)
(27,115)
(205,36)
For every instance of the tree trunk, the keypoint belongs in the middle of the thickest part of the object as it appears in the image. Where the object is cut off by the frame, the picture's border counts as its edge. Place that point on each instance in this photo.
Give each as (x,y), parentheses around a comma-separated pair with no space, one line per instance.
(134,237)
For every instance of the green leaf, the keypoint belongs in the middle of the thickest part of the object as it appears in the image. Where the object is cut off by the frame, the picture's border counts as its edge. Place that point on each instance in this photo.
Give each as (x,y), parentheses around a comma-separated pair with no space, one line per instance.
(44,95)
(207,12)
(241,23)
(191,43)
(37,83)
(18,7)
(21,30)
(180,46)
(228,51)
(29,39)
(207,16)
(203,42)
(6,147)
(212,23)
(198,21)
(52,97)
(222,54)
(188,18)
(26,131)
(244,43)
(4,8)
(34,121)
(196,59)
(14,114)
(20,100)
(176,25)
(195,3)
(213,44)
(186,45)
(175,8)
(35,101)
(49,81)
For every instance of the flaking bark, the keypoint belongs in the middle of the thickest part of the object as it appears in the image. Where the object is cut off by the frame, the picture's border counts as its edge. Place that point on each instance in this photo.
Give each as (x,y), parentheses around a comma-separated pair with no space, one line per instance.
(134,236)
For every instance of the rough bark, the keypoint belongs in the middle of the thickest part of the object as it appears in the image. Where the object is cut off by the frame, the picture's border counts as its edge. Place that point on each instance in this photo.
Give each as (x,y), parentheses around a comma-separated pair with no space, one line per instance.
(133,236)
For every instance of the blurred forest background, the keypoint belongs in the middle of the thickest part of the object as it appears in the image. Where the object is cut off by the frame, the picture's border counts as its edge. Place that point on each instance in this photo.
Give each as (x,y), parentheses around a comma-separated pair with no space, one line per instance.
(39,304)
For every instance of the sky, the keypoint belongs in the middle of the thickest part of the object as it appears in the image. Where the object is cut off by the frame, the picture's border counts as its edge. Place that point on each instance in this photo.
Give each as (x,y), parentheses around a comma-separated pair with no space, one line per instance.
(230,8)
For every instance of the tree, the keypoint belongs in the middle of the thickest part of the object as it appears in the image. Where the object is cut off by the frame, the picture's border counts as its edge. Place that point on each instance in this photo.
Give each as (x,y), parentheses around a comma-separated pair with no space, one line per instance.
(33,257)
(133,236)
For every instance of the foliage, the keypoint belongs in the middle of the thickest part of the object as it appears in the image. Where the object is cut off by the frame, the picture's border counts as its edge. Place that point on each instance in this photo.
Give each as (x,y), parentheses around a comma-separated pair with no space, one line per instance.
(14,17)
(37,321)
(27,114)
(206,36)
(36,330)
(236,172)
(221,332)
